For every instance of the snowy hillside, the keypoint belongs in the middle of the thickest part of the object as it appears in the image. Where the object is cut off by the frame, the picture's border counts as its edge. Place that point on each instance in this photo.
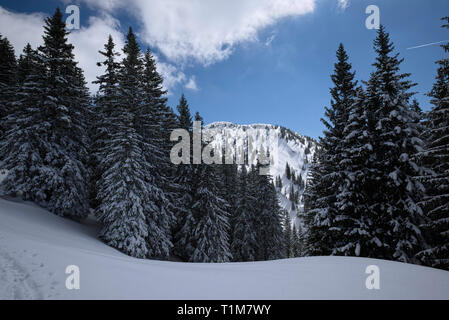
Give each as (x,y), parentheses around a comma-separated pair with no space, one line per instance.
(36,247)
(285,147)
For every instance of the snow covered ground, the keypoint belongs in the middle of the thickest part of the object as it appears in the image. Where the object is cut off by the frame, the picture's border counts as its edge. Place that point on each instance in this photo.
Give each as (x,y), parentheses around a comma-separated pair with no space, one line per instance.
(36,247)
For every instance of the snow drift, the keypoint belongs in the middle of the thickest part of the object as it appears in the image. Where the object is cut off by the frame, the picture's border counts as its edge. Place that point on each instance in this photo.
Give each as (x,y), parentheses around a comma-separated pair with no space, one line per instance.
(36,247)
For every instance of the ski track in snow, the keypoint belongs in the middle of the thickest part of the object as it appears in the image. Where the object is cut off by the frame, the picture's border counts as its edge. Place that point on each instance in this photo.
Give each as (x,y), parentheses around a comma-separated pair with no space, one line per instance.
(17,280)
(23,275)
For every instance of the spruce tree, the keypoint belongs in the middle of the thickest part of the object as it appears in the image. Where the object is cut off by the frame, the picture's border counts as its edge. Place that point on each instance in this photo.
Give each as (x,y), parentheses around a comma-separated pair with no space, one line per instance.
(319,239)
(123,188)
(355,220)
(288,236)
(59,180)
(184,118)
(210,232)
(8,80)
(151,117)
(230,191)
(244,239)
(436,157)
(343,145)
(183,179)
(297,245)
(288,171)
(198,117)
(278,182)
(24,65)
(328,172)
(63,177)
(268,225)
(161,121)
(22,142)
(394,131)
(106,101)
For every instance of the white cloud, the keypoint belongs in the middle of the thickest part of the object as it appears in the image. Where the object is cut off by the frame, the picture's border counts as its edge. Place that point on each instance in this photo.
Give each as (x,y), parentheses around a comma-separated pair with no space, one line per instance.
(343,4)
(23,28)
(106,5)
(191,84)
(172,75)
(204,31)
(184,31)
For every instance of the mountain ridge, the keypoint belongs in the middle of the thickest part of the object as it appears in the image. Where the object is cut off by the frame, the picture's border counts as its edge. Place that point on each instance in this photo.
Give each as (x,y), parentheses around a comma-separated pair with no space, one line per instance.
(292,148)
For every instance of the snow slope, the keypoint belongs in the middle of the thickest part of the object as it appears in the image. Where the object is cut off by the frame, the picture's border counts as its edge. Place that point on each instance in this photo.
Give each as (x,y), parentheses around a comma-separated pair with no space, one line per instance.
(36,247)
(285,146)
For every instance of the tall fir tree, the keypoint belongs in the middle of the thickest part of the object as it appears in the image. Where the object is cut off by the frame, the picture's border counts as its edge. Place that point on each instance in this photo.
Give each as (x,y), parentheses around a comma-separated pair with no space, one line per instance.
(328,172)
(288,236)
(106,101)
(22,143)
(59,180)
(347,225)
(8,81)
(210,232)
(184,115)
(151,117)
(24,64)
(161,121)
(319,239)
(394,131)
(123,187)
(268,220)
(63,178)
(244,238)
(436,157)
(355,220)
(297,243)
(183,179)
(230,191)
(288,173)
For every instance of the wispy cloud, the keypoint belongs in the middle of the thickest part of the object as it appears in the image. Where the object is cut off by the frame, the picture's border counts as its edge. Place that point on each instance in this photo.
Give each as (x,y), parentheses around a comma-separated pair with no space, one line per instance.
(427,45)
(184,32)
(191,84)
(343,4)
(270,39)
(204,32)
(21,28)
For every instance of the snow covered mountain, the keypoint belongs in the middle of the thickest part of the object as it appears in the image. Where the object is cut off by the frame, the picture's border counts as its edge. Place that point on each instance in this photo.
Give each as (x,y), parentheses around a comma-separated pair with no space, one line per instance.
(37,247)
(284,146)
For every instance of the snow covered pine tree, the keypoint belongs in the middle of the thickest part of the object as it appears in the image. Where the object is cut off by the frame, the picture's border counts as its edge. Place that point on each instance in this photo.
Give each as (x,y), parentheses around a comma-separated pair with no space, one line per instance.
(131,201)
(210,234)
(244,242)
(8,81)
(183,177)
(394,132)
(57,89)
(374,150)
(328,171)
(436,157)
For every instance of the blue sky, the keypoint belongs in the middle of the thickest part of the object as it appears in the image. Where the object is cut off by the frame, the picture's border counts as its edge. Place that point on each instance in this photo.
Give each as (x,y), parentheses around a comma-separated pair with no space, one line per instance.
(274,66)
